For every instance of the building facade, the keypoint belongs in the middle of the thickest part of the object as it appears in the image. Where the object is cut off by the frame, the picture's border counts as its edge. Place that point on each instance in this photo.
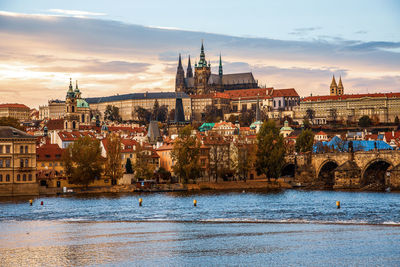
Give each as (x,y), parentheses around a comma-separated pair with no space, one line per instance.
(17,163)
(55,109)
(18,111)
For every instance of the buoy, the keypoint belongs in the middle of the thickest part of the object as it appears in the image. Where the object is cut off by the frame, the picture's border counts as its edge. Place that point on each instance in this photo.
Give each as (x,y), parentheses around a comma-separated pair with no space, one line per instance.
(194,202)
(140,201)
(338,204)
(30,202)
(41,203)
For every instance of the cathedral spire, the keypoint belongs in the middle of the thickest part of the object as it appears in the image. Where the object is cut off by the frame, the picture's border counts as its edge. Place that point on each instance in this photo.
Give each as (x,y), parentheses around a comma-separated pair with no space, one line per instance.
(333,88)
(189,72)
(180,77)
(202,61)
(220,72)
(333,83)
(70,84)
(340,87)
(180,61)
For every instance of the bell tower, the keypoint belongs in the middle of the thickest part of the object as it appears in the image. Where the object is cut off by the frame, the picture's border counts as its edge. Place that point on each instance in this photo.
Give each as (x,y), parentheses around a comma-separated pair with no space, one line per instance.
(333,88)
(71,117)
(202,73)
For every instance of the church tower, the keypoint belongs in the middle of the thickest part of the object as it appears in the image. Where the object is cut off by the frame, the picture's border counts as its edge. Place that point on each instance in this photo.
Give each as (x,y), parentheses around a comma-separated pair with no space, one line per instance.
(340,89)
(202,73)
(180,77)
(189,72)
(333,87)
(71,117)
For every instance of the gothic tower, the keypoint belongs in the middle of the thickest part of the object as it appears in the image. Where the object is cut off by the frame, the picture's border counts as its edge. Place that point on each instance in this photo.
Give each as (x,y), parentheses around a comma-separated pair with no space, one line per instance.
(340,89)
(71,117)
(189,72)
(180,77)
(333,87)
(202,73)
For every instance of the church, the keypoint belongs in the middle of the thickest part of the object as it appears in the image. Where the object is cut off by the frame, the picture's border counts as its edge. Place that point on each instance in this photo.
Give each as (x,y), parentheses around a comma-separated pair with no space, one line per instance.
(205,82)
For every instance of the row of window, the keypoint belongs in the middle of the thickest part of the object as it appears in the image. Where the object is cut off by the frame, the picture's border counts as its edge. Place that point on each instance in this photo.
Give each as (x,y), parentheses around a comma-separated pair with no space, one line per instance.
(7,177)
(5,163)
(7,149)
(51,164)
(23,177)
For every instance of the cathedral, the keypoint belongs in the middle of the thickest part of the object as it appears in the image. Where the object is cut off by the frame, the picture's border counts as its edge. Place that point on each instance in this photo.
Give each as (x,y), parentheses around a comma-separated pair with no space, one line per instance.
(205,82)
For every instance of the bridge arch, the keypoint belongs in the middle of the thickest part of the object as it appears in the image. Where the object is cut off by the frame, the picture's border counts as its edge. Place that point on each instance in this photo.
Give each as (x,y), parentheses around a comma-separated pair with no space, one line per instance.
(288,170)
(326,173)
(374,174)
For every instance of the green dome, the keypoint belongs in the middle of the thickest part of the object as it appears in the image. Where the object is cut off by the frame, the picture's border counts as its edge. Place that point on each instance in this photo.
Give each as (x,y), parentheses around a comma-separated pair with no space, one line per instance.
(254,124)
(81,103)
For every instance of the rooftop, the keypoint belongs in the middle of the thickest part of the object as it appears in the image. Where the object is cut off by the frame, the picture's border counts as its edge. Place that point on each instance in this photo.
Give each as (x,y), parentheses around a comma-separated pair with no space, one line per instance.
(147,95)
(10,132)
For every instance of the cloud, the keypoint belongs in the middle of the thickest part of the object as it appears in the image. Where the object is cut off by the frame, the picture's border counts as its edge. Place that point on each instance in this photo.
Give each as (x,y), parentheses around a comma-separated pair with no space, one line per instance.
(304,31)
(76,12)
(42,52)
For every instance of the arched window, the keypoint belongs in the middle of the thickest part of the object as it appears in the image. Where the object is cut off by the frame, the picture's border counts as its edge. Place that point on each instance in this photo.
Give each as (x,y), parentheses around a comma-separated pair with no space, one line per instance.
(24,177)
(73,108)
(21,163)
(73,125)
(26,149)
(30,177)
(18,177)
(7,178)
(26,162)
(1,177)
(83,118)
(67,109)
(279,103)
(66,125)
(21,149)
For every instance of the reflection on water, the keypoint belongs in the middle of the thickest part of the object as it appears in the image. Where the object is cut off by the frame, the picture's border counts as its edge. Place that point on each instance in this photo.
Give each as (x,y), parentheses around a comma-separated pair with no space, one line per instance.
(252,229)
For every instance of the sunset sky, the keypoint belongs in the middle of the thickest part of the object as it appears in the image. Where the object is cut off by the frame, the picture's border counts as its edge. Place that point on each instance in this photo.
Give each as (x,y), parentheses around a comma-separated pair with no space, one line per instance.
(116,47)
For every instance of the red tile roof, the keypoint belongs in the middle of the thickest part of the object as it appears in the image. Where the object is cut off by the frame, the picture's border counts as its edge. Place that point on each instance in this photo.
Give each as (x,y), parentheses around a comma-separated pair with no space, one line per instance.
(352,96)
(72,136)
(49,152)
(321,133)
(262,93)
(285,92)
(57,124)
(15,105)
(212,95)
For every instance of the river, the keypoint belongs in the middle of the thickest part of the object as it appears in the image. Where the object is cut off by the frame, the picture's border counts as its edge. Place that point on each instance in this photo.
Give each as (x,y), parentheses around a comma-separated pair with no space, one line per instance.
(255,228)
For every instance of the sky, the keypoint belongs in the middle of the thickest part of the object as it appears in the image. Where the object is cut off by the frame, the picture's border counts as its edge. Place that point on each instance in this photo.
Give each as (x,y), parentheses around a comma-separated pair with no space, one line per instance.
(124,46)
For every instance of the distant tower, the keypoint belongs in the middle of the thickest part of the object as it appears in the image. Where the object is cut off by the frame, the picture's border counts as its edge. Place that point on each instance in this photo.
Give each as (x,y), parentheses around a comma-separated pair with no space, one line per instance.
(179,111)
(202,73)
(333,87)
(189,72)
(71,117)
(180,77)
(340,89)
(220,72)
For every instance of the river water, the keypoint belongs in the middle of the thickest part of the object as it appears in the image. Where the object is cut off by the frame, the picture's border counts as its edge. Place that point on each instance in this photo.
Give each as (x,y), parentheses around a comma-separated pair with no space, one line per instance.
(255,228)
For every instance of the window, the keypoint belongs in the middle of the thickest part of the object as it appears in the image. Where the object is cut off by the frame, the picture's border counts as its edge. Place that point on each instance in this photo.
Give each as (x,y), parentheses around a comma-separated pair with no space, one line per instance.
(26,149)
(42,164)
(24,177)
(1,149)
(26,162)
(274,103)
(8,163)
(73,108)
(279,103)
(50,164)
(18,177)
(1,163)
(30,177)
(21,149)
(8,149)
(7,178)
(21,163)
(55,164)
(1,177)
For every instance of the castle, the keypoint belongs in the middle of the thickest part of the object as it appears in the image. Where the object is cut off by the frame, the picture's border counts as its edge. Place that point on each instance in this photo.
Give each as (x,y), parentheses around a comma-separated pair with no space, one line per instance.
(205,82)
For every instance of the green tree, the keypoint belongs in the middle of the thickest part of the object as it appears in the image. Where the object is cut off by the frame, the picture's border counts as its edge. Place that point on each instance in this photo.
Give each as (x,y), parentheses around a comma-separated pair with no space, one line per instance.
(305,141)
(212,114)
(270,151)
(247,117)
(243,157)
(10,121)
(112,114)
(143,170)
(306,124)
(143,115)
(128,166)
(162,175)
(113,161)
(365,121)
(310,114)
(185,153)
(83,161)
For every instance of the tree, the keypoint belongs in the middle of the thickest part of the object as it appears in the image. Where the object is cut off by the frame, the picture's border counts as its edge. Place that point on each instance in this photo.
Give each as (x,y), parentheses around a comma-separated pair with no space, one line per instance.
(305,141)
(364,121)
(396,120)
(10,121)
(112,114)
(243,157)
(270,151)
(333,115)
(310,114)
(162,113)
(156,108)
(128,166)
(171,115)
(232,118)
(143,115)
(219,155)
(306,123)
(162,175)
(247,117)
(83,161)
(143,170)
(185,154)
(212,114)
(113,162)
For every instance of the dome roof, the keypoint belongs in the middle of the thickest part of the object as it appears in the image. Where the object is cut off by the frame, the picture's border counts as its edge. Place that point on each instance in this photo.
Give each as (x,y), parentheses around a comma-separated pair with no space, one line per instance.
(81,103)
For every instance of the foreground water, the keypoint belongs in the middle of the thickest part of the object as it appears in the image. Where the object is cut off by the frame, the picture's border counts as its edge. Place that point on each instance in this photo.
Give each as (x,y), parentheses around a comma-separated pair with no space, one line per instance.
(252,229)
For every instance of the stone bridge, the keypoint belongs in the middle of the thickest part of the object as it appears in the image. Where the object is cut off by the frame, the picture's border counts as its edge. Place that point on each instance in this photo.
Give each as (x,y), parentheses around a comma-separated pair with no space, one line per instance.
(346,170)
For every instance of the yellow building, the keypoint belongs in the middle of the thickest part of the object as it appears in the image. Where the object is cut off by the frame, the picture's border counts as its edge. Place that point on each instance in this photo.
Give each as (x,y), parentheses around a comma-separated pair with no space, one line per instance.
(18,111)
(17,162)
